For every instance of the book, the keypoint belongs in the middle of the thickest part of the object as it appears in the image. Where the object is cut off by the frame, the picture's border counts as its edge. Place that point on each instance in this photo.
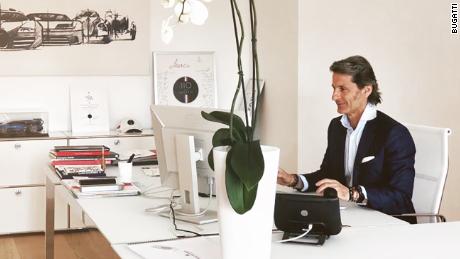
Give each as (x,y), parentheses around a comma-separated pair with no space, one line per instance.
(111,155)
(96,180)
(69,172)
(80,162)
(126,190)
(81,148)
(101,187)
(81,153)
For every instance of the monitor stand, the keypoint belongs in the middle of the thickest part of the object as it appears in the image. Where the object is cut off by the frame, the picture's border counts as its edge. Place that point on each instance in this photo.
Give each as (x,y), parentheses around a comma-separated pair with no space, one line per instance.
(209,217)
(188,182)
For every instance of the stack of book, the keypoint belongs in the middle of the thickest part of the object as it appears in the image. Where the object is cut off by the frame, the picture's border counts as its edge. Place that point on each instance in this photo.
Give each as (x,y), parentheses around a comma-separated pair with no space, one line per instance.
(82,155)
(86,187)
(90,160)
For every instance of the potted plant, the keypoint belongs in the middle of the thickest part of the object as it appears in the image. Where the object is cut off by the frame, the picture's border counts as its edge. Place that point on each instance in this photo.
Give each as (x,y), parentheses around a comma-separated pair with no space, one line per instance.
(245,170)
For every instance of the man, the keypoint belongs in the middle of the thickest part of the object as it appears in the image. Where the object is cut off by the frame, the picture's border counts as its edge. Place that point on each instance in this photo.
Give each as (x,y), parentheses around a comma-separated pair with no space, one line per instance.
(370,157)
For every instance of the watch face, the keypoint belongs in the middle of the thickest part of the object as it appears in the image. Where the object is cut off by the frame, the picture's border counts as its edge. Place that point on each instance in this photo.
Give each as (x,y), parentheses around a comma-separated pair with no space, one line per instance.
(185,89)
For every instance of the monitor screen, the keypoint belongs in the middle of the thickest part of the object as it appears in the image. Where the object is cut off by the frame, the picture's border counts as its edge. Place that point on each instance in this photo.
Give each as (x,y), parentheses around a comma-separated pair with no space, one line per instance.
(171,121)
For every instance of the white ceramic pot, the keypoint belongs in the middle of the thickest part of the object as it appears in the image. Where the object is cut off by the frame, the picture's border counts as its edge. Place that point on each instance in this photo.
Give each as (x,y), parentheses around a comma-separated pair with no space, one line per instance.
(248,235)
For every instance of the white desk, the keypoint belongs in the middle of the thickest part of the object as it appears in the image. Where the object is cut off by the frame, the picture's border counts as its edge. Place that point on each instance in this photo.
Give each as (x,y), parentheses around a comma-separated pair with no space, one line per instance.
(124,220)
(398,241)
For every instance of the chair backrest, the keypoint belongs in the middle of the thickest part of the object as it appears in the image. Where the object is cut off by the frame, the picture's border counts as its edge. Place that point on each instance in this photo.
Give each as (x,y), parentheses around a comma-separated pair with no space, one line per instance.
(431,166)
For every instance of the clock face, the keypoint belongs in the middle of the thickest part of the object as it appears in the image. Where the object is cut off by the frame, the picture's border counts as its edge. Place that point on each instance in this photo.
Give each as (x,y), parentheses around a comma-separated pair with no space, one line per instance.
(185,89)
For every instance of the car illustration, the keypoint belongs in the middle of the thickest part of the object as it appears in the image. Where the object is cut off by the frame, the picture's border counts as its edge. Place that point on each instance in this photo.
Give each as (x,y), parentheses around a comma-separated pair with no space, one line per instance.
(120,26)
(18,32)
(22,128)
(59,29)
(93,25)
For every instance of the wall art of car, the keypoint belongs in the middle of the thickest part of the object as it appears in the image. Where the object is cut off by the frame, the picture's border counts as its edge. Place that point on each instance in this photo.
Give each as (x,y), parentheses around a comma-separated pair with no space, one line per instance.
(93,25)
(59,29)
(18,32)
(119,25)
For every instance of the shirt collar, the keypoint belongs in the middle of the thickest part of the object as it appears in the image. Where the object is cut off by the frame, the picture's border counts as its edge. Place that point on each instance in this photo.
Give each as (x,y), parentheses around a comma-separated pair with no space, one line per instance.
(370,112)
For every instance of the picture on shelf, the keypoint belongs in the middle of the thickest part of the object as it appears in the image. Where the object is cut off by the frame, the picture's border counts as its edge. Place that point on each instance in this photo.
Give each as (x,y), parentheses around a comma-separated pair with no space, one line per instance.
(89,111)
(239,105)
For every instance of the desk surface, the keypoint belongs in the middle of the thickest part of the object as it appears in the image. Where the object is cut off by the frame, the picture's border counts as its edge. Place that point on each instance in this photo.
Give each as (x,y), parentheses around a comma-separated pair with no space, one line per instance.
(124,220)
(397,241)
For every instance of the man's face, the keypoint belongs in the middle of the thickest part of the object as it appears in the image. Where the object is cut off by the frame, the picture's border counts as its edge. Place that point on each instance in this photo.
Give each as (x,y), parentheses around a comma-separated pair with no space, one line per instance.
(349,98)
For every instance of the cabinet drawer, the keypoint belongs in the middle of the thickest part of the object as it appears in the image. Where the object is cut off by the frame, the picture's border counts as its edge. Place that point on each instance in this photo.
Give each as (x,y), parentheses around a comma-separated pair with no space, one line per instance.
(22,162)
(118,144)
(23,210)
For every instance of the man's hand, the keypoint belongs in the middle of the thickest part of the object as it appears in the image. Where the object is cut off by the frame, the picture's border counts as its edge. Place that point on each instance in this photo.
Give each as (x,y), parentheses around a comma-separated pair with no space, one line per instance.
(342,190)
(284,178)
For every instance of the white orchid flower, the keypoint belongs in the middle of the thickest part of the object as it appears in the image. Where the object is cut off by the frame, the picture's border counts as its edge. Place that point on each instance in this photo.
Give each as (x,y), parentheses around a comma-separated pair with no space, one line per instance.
(167,32)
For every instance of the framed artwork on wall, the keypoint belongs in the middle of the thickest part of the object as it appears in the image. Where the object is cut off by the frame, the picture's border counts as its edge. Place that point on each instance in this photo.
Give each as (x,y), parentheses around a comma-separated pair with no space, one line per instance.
(89,111)
(74,38)
(185,79)
(239,105)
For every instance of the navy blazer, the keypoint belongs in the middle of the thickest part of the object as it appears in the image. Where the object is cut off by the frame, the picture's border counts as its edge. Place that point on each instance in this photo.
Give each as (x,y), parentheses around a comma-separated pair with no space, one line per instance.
(388,178)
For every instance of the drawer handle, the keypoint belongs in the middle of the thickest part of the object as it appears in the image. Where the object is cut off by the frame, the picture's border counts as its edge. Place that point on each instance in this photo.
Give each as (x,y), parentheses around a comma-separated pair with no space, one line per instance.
(17,146)
(18,192)
(116,142)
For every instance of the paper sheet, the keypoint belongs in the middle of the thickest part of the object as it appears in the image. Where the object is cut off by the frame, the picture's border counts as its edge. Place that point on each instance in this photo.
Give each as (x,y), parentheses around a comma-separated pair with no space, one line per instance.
(188,248)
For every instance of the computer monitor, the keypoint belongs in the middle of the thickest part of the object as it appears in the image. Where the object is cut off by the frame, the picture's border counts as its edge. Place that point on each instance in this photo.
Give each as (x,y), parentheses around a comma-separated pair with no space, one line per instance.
(183,139)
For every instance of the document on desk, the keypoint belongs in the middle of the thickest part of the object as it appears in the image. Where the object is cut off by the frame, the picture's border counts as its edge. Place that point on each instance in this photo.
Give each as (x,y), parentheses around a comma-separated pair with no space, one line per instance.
(187,248)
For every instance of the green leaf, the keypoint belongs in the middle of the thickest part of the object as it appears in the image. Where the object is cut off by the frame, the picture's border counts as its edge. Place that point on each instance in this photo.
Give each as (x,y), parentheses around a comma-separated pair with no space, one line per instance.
(211,159)
(247,162)
(241,199)
(224,118)
(222,137)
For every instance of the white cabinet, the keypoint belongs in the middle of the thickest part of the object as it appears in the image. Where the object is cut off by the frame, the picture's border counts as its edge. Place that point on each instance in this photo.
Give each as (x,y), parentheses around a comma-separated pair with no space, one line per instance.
(23,210)
(22,192)
(22,179)
(22,161)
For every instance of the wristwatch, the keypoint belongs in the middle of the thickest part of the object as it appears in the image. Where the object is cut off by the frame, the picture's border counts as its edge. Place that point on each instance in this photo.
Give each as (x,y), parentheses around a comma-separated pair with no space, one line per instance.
(294,183)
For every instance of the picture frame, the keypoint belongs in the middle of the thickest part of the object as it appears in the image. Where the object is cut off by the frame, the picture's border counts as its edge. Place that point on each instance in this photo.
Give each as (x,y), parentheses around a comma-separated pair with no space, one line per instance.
(89,110)
(239,105)
(185,78)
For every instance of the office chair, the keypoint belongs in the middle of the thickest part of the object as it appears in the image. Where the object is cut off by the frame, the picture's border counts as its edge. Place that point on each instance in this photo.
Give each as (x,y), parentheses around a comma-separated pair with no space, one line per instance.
(431,166)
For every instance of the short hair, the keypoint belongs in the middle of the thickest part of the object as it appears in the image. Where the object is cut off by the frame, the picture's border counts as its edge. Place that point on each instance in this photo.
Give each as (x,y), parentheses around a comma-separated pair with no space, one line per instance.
(361,73)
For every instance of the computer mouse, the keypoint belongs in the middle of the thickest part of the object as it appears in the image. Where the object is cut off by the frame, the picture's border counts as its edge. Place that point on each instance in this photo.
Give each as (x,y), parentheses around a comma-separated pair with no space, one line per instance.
(330,193)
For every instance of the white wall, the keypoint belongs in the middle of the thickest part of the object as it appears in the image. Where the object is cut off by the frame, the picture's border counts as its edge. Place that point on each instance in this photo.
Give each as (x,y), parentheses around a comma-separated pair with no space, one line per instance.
(278,57)
(131,96)
(415,59)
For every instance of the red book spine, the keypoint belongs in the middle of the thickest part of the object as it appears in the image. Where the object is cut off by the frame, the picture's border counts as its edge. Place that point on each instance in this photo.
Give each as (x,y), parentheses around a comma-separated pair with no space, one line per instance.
(82,153)
(79,162)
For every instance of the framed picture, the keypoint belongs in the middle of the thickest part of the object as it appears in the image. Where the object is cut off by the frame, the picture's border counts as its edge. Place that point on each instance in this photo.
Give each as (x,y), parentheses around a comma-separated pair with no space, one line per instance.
(185,79)
(239,105)
(89,111)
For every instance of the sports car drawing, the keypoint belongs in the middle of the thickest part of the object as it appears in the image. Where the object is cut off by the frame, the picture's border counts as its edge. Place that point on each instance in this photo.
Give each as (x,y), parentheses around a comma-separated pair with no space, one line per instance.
(18,32)
(93,25)
(59,29)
